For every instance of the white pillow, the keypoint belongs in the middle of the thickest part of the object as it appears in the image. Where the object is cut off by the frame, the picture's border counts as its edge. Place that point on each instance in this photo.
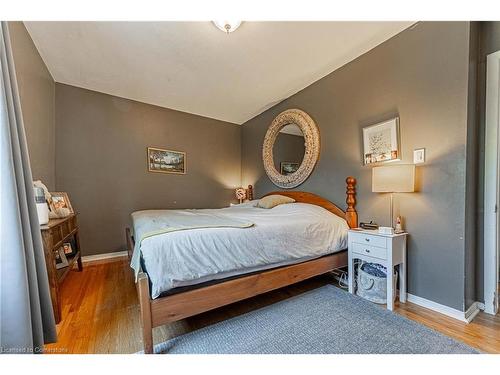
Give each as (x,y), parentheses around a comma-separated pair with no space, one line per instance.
(274,200)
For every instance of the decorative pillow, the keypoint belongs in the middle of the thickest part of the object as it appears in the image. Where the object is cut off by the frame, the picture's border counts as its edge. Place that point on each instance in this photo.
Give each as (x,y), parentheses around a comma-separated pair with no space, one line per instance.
(274,200)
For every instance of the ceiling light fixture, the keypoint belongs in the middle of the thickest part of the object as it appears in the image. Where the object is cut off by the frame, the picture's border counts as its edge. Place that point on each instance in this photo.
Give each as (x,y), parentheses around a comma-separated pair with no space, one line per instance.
(227,26)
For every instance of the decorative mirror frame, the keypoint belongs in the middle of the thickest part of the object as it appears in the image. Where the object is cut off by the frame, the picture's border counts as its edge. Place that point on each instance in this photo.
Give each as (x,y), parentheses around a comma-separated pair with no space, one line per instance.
(311,144)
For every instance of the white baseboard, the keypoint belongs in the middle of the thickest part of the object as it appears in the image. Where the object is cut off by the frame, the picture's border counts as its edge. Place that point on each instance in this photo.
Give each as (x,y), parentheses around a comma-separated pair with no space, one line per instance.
(465,317)
(93,258)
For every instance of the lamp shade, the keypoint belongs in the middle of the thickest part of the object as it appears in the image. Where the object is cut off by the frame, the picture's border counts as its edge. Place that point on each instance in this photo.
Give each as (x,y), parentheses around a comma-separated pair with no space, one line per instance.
(394,179)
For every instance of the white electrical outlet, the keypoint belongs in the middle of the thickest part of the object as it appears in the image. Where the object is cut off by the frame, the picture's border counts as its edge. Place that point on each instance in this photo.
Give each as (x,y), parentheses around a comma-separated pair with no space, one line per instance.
(419,156)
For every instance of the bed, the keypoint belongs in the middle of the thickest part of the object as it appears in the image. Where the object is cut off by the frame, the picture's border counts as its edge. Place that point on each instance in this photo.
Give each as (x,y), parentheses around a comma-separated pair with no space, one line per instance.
(192,270)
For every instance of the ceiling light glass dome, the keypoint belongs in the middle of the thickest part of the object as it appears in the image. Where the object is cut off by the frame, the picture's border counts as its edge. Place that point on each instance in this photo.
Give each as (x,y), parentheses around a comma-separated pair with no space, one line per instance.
(227,26)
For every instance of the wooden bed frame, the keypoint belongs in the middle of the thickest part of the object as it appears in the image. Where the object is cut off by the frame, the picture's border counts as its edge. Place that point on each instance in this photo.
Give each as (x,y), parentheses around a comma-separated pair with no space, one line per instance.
(163,310)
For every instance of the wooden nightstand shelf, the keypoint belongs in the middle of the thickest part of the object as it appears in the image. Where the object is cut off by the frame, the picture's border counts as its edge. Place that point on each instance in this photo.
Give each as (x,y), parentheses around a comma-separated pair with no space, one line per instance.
(387,250)
(54,234)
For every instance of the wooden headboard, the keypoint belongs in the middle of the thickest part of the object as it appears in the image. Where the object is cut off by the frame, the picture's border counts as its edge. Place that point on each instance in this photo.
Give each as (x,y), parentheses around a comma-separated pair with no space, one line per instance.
(350,215)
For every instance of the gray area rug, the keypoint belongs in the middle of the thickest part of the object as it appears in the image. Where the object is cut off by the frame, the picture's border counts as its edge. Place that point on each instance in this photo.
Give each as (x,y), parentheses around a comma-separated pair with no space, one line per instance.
(326,320)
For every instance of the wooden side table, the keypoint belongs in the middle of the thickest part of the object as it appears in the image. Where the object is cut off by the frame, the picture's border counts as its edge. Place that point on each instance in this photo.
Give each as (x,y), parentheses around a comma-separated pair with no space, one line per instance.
(54,234)
(387,250)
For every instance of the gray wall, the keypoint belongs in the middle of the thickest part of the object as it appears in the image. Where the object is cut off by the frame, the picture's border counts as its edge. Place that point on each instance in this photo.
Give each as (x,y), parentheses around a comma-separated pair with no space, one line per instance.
(471,183)
(421,75)
(37,92)
(101,162)
(489,42)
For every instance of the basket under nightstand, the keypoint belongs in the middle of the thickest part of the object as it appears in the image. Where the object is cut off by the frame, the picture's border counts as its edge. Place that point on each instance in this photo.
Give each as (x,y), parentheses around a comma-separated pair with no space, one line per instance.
(387,250)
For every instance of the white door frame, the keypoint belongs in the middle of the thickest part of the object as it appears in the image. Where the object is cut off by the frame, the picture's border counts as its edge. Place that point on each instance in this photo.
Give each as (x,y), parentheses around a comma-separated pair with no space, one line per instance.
(491,184)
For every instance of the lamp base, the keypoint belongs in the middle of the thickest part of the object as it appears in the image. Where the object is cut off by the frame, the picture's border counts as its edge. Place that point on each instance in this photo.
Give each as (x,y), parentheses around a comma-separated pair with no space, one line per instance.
(392,211)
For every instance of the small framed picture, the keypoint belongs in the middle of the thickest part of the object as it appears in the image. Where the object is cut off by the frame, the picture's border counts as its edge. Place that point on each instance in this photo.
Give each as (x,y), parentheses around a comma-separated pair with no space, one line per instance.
(381,142)
(60,200)
(419,156)
(61,260)
(68,249)
(288,167)
(166,161)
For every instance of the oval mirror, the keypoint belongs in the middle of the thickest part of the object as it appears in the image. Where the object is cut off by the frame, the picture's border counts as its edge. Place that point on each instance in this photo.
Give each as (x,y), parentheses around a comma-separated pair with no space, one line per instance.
(291,148)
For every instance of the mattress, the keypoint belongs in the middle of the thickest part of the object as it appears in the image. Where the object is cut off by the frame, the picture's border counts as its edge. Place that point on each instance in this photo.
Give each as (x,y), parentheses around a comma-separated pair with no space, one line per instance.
(284,235)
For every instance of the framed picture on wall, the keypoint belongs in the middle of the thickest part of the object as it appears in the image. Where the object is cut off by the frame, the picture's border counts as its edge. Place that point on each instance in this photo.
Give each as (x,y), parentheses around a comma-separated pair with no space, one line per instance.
(381,142)
(166,161)
(288,167)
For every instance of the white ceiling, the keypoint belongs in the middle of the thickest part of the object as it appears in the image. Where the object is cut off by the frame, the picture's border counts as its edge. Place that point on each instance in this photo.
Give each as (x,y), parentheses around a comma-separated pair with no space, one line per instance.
(196,68)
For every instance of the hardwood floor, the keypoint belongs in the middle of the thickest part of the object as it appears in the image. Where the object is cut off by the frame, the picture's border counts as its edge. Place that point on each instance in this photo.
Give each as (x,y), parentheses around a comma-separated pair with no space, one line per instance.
(100,314)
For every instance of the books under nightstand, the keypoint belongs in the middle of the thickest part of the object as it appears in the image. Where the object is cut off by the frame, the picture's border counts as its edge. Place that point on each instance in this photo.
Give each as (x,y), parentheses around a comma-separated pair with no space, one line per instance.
(388,250)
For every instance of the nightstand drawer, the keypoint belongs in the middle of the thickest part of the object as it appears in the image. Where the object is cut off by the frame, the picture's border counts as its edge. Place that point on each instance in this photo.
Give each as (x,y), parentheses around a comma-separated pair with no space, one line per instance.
(367,239)
(376,252)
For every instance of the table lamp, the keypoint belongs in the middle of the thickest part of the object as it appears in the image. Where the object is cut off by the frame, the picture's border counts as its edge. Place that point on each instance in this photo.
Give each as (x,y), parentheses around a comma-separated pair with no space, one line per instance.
(393,179)
(241,194)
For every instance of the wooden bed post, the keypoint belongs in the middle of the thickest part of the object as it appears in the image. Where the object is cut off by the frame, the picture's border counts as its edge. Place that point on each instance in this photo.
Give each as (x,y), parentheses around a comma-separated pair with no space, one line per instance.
(250,193)
(351,215)
(130,245)
(146,318)
(142,286)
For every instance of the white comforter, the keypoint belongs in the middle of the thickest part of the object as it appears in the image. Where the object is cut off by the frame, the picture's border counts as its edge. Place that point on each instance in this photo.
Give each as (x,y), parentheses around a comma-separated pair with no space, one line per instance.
(286,234)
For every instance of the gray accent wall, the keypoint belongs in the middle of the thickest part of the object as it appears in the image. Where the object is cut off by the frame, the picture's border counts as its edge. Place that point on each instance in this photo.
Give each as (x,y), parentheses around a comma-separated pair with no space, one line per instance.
(422,76)
(101,162)
(37,93)
(471,183)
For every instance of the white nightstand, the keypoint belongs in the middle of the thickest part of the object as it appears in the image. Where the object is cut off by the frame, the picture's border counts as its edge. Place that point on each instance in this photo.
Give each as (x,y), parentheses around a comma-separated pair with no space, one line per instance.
(387,250)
